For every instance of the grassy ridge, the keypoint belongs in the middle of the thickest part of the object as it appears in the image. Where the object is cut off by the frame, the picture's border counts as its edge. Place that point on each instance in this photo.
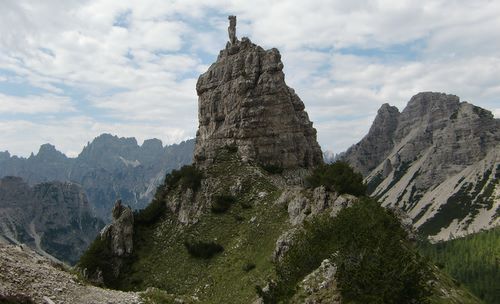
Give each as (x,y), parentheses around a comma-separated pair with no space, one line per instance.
(246,230)
(227,253)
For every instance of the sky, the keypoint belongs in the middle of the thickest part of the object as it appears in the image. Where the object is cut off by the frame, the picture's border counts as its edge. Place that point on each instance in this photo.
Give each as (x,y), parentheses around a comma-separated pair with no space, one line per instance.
(71,70)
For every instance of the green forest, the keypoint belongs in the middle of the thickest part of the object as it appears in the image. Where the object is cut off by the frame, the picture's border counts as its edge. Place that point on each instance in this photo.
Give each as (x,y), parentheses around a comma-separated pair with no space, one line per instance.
(473,260)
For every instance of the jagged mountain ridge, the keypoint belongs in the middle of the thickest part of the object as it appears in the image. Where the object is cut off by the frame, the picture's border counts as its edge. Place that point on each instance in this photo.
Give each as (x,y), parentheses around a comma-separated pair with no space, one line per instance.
(54,218)
(108,168)
(438,160)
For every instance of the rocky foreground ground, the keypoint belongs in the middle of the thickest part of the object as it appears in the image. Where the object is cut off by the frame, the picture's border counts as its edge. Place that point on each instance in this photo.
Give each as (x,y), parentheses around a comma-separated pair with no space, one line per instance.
(26,274)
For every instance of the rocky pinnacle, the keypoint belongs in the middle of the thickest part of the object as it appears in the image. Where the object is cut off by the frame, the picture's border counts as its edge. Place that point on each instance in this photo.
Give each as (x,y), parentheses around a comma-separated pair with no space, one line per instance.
(244,102)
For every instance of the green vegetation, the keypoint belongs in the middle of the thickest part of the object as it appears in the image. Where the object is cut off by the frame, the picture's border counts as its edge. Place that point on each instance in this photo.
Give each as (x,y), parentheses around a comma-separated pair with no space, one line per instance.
(272,169)
(185,177)
(398,174)
(158,296)
(164,262)
(98,257)
(154,211)
(374,182)
(473,260)
(248,267)
(366,242)
(222,203)
(203,250)
(221,256)
(231,148)
(466,201)
(339,177)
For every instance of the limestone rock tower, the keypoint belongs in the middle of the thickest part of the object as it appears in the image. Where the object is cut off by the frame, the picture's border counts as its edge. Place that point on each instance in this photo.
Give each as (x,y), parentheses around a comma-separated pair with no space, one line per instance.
(243,101)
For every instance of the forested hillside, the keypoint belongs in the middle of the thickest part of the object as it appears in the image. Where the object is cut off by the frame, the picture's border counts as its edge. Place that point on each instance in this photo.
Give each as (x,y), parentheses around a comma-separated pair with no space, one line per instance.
(473,260)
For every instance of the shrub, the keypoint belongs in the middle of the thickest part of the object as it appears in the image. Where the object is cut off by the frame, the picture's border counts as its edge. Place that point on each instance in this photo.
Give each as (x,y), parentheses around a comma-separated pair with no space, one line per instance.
(239,218)
(97,257)
(222,203)
(246,205)
(185,177)
(150,215)
(155,209)
(372,242)
(157,296)
(273,169)
(374,261)
(203,250)
(248,266)
(339,177)
(231,148)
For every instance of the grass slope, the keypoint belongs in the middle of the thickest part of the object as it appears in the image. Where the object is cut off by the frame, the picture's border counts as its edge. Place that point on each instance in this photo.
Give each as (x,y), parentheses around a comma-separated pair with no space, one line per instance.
(230,246)
(247,231)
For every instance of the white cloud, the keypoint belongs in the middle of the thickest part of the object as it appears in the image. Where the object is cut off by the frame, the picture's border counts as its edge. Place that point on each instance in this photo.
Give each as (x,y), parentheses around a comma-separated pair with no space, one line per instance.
(344,58)
(33,104)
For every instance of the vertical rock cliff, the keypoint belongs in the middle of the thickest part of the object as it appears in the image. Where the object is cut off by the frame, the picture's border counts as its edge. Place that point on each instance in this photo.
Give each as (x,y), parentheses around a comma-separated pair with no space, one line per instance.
(243,101)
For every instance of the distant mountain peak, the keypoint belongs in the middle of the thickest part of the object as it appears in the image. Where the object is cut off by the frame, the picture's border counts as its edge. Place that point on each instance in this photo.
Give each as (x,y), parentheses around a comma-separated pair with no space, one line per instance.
(49,152)
(436,160)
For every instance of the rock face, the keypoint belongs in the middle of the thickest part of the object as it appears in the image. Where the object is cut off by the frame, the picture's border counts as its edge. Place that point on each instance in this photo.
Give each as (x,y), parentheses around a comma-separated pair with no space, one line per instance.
(107,168)
(369,153)
(120,233)
(243,101)
(53,218)
(438,160)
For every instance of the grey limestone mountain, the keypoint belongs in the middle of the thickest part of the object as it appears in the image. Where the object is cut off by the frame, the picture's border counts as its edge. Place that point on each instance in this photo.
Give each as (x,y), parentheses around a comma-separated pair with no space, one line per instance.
(53,218)
(108,168)
(243,101)
(217,231)
(438,160)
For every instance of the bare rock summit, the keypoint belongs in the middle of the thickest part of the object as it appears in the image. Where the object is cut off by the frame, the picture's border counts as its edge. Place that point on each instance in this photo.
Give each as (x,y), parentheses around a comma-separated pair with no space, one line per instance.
(244,102)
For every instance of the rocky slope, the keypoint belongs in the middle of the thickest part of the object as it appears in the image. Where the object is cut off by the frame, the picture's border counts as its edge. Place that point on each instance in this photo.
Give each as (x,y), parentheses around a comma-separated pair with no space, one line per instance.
(438,160)
(243,101)
(54,218)
(27,275)
(108,168)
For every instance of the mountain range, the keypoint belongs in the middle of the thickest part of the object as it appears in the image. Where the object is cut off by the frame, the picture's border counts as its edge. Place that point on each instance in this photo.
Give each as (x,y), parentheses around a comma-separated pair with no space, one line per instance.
(108,168)
(57,205)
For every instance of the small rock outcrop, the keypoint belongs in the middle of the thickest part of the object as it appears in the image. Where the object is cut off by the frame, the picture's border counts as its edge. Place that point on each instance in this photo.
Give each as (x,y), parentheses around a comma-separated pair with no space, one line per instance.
(119,235)
(243,101)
